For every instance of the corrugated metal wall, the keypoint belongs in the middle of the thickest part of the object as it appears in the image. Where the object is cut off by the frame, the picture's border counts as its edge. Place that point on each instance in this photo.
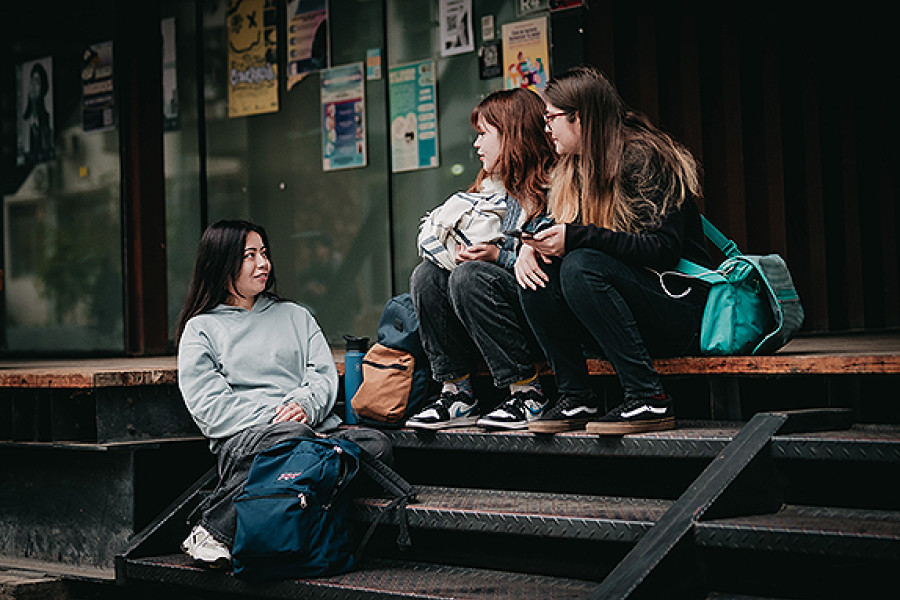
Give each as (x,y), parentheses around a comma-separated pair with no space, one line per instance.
(791,117)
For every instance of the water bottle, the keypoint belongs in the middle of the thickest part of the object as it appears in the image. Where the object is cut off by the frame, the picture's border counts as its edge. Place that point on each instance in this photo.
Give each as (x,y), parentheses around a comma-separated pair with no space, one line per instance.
(356,349)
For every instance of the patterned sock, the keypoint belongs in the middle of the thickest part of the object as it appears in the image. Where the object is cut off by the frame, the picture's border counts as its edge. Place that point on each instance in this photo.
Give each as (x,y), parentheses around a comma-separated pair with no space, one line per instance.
(532,383)
(460,385)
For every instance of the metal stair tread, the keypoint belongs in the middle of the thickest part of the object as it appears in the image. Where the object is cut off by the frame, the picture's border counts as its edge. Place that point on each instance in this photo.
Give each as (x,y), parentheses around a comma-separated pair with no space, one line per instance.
(374,578)
(527,513)
(832,531)
(605,518)
(690,439)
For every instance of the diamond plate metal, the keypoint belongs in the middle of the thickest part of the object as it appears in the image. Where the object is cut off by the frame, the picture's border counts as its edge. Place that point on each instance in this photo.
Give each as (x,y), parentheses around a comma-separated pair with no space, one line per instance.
(598,518)
(375,579)
(681,443)
(821,531)
(861,443)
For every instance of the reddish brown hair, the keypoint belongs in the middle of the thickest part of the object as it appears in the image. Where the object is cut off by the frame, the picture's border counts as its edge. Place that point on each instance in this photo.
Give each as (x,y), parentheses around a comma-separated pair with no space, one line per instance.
(526,152)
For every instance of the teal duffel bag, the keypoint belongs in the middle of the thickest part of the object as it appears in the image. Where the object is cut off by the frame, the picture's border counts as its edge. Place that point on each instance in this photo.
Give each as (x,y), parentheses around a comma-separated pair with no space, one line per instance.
(752,308)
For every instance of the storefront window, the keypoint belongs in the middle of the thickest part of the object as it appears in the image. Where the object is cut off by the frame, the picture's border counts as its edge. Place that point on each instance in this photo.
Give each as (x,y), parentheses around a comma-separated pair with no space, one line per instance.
(181,150)
(328,229)
(62,232)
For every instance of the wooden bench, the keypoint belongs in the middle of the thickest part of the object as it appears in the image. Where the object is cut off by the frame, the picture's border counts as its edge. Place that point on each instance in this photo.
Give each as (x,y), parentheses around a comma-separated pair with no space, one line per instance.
(854,354)
(842,358)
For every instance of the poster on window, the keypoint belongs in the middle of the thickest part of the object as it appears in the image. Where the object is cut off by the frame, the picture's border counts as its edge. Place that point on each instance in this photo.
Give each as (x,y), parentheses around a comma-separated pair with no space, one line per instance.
(34,111)
(526,54)
(307,39)
(252,57)
(413,110)
(343,117)
(97,98)
(171,114)
(456,27)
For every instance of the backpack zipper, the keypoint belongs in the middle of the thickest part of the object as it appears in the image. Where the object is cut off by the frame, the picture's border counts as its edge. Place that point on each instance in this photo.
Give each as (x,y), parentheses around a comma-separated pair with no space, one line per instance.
(304,499)
(342,476)
(395,366)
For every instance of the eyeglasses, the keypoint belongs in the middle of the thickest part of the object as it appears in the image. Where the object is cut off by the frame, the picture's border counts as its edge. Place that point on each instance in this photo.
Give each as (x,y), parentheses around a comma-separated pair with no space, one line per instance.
(548,118)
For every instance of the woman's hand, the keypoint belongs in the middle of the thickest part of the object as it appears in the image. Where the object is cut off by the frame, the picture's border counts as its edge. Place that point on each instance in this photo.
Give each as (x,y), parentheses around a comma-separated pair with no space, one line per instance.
(290,411)
(550,241)
(485,252)
(528,270)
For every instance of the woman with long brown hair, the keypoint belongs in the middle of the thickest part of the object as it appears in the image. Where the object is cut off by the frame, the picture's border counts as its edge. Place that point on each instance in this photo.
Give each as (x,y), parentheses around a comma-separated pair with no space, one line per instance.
(623,197)
(472,313)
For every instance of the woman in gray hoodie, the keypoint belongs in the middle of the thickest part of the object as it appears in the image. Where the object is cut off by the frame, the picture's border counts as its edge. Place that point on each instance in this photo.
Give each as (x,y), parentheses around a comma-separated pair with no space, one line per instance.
(253,369)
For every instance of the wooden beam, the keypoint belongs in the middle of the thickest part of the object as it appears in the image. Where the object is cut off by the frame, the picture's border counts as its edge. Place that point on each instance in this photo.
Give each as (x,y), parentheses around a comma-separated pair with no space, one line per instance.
(139,71)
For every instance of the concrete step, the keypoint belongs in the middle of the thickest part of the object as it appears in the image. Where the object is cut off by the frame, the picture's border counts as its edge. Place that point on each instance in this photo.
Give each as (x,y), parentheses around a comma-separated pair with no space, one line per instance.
(31,585)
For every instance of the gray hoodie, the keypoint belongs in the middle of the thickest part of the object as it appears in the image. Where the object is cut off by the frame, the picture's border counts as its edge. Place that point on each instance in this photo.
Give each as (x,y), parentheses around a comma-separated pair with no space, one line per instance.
(237,366)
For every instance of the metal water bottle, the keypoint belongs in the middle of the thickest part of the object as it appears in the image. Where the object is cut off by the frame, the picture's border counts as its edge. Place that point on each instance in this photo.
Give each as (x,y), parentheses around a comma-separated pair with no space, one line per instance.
(356,349)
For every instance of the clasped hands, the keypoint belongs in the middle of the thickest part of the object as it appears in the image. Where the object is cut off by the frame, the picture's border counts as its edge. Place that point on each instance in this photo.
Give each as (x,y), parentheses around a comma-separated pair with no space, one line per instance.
(290,411)
(537,249)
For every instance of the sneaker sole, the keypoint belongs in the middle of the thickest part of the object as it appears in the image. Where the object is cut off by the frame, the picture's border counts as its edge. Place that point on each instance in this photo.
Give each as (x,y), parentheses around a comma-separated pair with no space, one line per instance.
(624,428)
(460,422)
(220,562)
(502,424)
(557,425)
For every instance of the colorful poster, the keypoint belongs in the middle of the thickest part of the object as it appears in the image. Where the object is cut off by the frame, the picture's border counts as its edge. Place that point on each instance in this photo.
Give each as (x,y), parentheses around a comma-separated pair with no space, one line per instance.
(307,38)
(252,57)
(343,117)
(413,109)
(456,27)
(34,112)
(526,54)
(97,98)
(373,63)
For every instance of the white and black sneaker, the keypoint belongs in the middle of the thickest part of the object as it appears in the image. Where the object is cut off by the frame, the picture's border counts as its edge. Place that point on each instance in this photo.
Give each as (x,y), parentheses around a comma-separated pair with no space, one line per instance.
(636,415)
(449,410)
(517,412)
(568,414)
(204,548)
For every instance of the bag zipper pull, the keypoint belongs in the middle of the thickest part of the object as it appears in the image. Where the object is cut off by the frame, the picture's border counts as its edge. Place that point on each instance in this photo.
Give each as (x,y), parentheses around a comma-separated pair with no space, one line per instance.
(302,497)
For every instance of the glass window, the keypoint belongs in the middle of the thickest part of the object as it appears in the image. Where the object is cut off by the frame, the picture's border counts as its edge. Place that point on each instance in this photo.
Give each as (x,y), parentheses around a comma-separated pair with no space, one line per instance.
(328,230)
(181,150)
(62,232)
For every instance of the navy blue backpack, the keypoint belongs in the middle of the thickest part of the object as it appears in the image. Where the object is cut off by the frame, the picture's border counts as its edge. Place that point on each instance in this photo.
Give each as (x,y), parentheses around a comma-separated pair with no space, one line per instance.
(293,516)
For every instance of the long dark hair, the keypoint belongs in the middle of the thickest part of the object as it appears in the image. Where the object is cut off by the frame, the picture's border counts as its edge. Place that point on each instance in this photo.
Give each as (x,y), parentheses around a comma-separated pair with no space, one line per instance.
(589,185)
(219,258)
(526,153)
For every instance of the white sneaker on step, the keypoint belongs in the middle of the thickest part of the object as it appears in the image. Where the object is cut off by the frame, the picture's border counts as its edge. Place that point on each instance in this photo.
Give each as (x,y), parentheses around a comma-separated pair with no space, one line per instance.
(203,547)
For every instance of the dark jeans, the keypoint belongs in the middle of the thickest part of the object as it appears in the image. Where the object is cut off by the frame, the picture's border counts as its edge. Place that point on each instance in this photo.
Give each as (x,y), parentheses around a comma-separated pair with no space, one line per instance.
(235,456)
(598,301)
(471,312)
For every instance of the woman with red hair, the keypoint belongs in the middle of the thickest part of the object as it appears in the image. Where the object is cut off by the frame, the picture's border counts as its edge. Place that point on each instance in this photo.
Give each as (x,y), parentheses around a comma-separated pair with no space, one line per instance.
(472,314)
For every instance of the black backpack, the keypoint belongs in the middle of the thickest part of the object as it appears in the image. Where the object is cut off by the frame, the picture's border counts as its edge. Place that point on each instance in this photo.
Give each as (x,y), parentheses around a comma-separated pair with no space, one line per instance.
(396,375)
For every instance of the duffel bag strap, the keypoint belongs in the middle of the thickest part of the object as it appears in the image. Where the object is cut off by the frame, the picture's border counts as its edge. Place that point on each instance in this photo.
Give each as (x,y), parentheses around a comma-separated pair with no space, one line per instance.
(728,247)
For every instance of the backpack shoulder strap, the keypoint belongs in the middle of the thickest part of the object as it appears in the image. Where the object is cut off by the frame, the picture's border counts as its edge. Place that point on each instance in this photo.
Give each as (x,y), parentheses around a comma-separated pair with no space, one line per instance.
(386,477)
(394,484)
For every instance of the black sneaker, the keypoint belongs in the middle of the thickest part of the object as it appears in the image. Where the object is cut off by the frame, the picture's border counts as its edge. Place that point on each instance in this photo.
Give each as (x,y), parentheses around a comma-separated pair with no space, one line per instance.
(517,412)
(449,410)
(636,415)
(568,414)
